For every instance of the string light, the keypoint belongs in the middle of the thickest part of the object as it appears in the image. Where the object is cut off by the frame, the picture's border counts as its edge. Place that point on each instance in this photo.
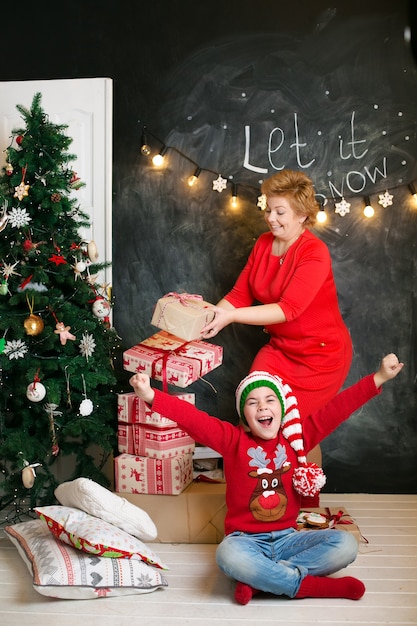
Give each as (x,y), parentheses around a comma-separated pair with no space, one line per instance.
(321,215)
(158,159)
(412,190)
(145,148)
(234,201)
(193,179)
(368,210)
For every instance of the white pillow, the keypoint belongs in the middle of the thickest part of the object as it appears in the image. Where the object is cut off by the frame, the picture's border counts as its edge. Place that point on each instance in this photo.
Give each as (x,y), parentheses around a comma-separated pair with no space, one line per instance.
(85,494)
(61,571)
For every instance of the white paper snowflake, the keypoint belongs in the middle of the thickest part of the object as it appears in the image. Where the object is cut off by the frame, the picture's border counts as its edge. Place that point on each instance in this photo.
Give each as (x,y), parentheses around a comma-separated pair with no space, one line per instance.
(87,345)
(385,199)
(261,202)
(219,184)
(342,207)
(15,349)
(18,217)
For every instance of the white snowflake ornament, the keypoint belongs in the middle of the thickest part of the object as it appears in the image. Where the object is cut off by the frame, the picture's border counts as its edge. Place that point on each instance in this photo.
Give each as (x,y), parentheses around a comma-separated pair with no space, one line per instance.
(19,217)
(261,202)
(342,207)
(385,199)
(86,407)
(87,345)
(15,349)
(219,184)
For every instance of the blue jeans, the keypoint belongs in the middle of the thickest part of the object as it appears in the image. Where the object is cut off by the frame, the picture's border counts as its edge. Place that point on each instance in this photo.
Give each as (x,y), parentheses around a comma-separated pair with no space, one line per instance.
(277,562)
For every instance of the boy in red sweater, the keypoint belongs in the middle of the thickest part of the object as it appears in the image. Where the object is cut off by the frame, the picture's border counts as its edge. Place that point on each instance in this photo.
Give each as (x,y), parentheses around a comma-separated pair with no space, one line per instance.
(266,474)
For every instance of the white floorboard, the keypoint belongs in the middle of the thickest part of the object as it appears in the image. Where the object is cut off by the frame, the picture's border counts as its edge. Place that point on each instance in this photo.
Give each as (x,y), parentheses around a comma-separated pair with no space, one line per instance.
(201,595)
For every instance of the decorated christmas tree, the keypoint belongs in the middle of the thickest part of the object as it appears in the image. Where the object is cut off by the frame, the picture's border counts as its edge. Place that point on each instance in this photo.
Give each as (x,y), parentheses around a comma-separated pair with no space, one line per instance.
(57,347)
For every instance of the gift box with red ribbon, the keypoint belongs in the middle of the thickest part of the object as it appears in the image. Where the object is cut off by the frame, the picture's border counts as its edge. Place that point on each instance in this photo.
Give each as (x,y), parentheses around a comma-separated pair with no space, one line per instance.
(182,314)
(330,517)
(139,474)
(168,358)
(125,438)
(161,443)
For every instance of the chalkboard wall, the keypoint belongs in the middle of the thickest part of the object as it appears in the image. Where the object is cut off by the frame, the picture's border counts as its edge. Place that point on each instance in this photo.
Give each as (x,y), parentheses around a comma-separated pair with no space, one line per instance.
(242,92)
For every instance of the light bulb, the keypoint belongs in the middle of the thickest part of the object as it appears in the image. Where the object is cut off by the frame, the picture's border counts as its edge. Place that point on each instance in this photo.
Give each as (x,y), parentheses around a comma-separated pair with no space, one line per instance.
(321,216)
(193,179)
(145,149)
(233,200)
(368,210)
(158,159)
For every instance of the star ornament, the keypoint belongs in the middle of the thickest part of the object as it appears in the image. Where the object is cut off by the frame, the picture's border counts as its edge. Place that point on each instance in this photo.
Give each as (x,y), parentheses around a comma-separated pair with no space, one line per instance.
(342,207)
(21,191)
(219,184)
(57,259)
(261,202)
(8,269)
(385,199)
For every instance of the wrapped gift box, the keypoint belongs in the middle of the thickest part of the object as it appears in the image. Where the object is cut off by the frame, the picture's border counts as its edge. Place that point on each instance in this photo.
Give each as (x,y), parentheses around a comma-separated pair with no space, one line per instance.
(129,407)
(183,315)
(166,357)
(133,410)
(152,418)
(161,443)
(195,516)
(143,475)
(337,517)
(125,439)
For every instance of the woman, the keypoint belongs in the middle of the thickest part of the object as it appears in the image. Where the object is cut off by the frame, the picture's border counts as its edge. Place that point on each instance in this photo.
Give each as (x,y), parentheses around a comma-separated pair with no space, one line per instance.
(289,272)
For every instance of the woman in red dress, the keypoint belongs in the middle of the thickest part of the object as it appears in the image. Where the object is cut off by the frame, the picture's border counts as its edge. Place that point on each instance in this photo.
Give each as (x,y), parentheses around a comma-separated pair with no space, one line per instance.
(289,278)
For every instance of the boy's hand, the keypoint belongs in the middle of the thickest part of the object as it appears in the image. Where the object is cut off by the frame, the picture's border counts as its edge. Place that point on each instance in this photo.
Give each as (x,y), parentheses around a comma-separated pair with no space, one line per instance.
(390,367)
(141,384)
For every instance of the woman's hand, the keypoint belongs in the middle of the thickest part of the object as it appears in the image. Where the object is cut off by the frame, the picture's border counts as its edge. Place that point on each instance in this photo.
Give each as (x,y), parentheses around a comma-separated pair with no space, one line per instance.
(141,384)
(222,318)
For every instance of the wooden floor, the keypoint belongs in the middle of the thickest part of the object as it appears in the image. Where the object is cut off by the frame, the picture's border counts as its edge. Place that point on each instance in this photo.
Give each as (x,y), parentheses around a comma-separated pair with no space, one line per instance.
(200,594)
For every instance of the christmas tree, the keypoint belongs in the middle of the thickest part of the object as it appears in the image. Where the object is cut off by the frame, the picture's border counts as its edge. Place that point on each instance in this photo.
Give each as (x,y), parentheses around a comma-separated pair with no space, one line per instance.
(57,347)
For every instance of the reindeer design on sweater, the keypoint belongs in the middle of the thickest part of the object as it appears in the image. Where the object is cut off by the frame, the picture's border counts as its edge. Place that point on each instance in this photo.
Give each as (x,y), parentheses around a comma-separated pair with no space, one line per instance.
(268,500)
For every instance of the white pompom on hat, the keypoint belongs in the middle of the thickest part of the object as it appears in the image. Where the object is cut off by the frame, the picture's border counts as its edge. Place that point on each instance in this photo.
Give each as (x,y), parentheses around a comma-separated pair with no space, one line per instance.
(308,478)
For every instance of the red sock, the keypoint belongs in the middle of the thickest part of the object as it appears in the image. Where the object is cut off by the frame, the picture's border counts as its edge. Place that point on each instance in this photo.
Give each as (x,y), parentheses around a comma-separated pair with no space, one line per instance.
(326,587)
(244,593)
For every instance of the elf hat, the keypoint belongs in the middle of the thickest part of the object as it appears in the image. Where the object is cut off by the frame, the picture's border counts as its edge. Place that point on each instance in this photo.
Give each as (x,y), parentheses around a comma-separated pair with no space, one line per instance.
(308,478)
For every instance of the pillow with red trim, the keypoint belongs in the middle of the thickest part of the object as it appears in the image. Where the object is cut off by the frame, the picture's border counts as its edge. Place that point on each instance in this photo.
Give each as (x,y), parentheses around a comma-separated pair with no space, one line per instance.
(94,535)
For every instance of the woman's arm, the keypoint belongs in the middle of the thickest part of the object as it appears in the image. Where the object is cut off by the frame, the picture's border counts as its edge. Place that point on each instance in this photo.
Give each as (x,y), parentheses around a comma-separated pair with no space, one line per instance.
(226,313)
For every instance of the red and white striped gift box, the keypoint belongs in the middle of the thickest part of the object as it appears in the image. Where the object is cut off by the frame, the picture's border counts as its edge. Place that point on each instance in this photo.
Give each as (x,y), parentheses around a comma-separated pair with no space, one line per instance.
(139,474)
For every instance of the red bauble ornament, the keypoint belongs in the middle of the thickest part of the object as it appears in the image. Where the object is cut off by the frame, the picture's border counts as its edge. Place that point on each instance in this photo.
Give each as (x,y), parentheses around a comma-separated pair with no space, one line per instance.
(19,139)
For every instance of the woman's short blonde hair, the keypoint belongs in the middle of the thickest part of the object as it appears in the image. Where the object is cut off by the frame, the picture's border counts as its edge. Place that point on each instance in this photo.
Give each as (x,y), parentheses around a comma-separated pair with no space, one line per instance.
(298,188)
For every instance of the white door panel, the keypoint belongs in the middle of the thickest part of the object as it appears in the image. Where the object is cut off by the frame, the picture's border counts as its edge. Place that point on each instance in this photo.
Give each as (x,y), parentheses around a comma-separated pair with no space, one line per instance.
(85,105)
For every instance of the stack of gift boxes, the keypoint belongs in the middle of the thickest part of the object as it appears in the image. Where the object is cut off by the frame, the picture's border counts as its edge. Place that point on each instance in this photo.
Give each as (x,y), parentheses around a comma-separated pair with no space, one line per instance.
(156,456)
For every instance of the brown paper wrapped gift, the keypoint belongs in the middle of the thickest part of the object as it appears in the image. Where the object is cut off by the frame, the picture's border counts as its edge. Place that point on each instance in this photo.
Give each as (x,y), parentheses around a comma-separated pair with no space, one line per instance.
(182,314)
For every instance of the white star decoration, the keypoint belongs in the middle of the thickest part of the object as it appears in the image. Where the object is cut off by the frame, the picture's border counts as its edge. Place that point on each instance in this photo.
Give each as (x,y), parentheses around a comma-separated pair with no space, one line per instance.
(342,207)
(15,349)
(219,184)
(8,269)
(87,345)
(261,202)
(385,199)
(19,217)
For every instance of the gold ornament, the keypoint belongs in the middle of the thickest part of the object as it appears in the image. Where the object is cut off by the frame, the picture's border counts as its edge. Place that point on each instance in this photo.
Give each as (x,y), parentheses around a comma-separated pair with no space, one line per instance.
(33,325)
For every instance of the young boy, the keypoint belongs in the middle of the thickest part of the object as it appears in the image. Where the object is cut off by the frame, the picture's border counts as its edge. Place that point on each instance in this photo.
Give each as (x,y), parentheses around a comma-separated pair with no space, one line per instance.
(266,471)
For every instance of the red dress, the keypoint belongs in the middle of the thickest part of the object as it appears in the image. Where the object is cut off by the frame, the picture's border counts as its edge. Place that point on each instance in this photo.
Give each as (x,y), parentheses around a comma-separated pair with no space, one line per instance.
(312,350)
